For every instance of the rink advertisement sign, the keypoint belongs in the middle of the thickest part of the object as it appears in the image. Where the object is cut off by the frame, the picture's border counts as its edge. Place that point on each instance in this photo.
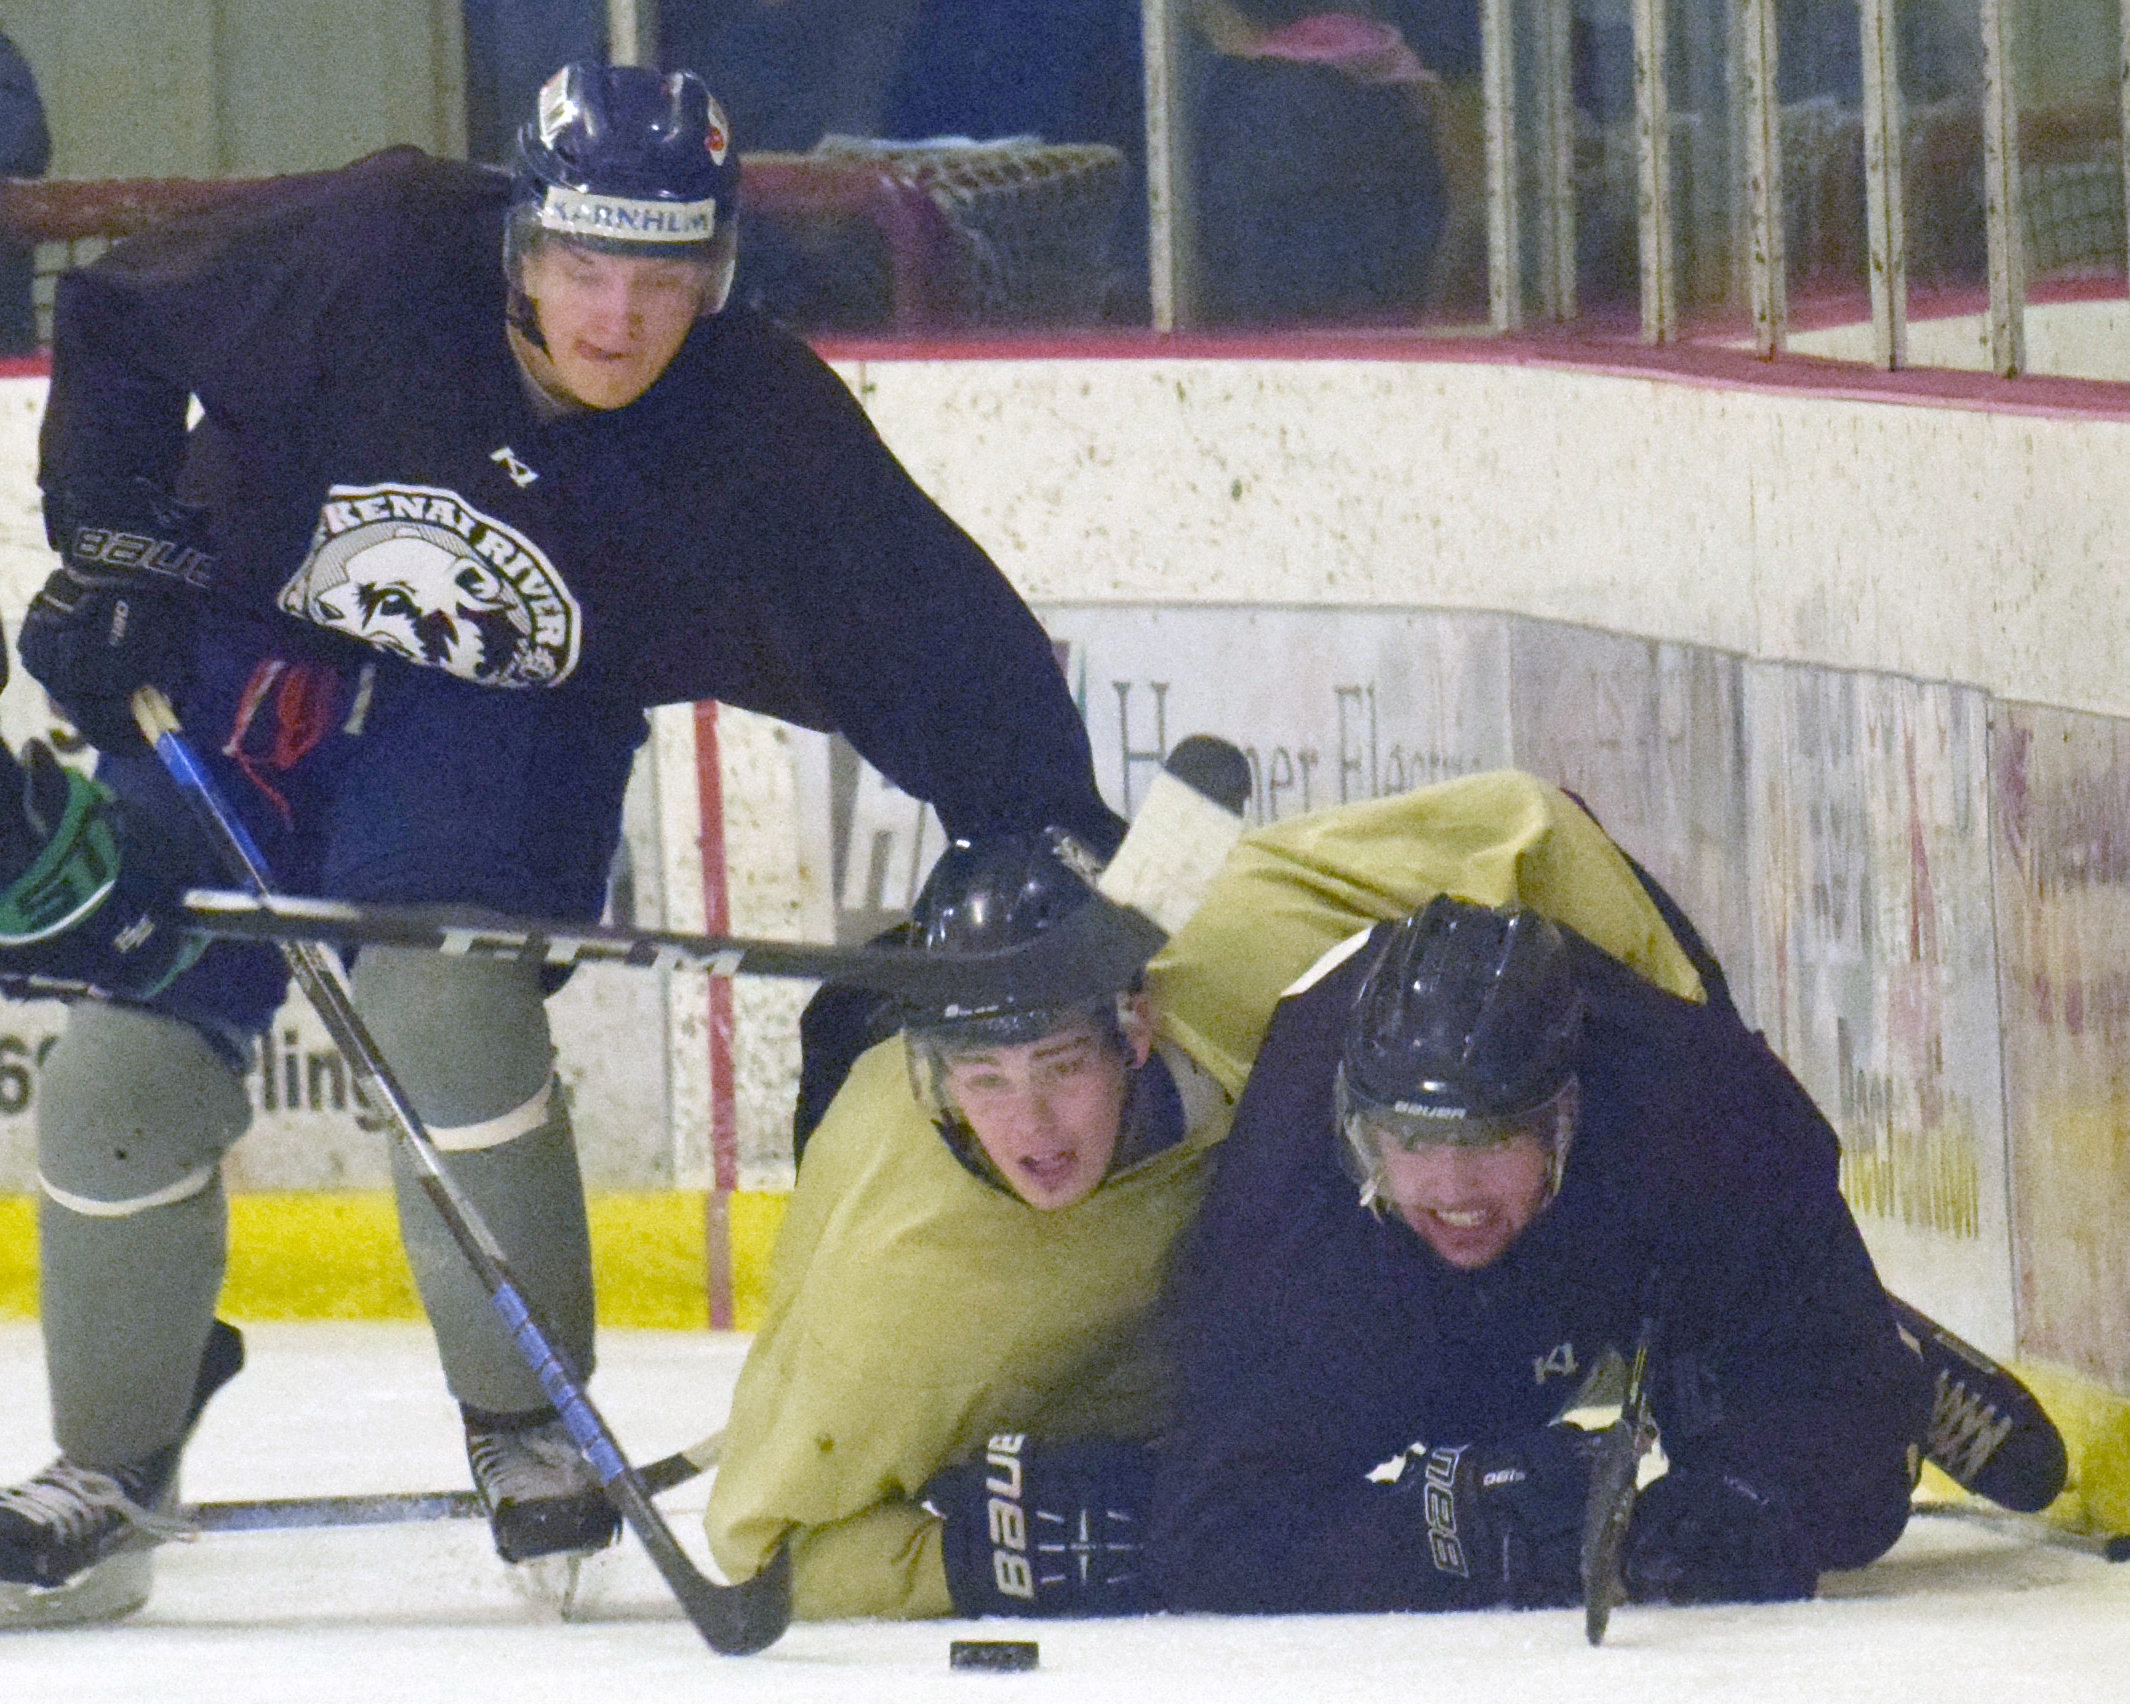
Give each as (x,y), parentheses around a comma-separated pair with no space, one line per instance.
(1330,707)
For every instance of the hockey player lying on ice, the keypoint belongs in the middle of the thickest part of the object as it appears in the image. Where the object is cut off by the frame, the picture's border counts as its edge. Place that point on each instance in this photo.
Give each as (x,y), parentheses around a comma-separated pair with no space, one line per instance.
(961,1351)
(487,466)
(1481,1147)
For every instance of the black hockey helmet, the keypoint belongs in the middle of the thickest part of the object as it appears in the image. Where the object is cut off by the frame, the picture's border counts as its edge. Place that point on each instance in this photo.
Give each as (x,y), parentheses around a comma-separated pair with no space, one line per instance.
(627,160)
(1004,891)
(993,895)
(1464,1031)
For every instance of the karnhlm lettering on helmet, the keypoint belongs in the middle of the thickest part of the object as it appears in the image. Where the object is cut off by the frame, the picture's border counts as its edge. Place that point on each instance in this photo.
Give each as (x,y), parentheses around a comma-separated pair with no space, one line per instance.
(580,213)
(420,573)
(1444,1544)
(1011,1570)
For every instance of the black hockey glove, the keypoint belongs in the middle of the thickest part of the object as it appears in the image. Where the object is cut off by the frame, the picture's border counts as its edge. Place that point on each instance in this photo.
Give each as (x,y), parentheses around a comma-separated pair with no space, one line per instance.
(121,610)
(1506,1517)
(1709,1537)
(1045,1529)
(82,911)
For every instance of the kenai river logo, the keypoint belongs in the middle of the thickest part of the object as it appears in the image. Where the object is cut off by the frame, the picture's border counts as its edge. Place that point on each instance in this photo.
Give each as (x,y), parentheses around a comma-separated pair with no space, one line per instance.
(425,575)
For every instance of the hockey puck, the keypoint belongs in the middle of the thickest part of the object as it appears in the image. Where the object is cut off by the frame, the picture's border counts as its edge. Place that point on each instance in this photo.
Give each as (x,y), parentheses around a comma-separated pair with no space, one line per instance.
(997,1654)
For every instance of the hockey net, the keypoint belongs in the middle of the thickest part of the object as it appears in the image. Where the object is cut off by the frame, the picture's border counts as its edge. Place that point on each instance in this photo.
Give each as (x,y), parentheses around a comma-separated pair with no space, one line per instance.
(1026,225)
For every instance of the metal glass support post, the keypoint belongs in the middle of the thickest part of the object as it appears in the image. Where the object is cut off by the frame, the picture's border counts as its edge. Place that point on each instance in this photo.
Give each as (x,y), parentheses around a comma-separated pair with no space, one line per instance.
(1884,168)
(1652,119)
(1766,258)
(1164,33)
(1556,69)
(1505,281)
(2124,70)
(632,32)
(2003,217)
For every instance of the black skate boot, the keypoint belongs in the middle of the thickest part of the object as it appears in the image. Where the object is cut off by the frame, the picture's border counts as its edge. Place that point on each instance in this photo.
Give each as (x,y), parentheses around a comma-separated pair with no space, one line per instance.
(76,1542)
(1986,1430)
(542,1497)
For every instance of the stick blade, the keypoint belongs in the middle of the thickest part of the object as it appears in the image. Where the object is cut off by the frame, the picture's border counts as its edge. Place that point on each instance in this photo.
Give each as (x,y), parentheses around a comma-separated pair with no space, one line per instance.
(1186,826)
(740,1619)
(1605,1518)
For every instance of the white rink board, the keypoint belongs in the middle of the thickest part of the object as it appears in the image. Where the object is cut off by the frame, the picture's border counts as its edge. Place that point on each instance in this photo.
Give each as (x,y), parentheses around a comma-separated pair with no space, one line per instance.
(1631,540)
(1950,544)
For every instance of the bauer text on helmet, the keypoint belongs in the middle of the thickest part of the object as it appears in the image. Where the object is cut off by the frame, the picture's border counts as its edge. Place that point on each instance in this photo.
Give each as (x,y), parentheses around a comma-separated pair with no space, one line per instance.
(1455,1093)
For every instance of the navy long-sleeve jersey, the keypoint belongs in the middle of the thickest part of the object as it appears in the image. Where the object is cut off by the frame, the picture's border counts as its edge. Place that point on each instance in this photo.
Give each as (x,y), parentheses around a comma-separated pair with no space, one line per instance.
(1318,1341)
(380,486)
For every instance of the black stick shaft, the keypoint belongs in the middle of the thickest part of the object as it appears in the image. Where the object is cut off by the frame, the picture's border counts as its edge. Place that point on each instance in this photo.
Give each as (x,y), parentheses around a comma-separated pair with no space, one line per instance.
(392,1508)
(1093,940)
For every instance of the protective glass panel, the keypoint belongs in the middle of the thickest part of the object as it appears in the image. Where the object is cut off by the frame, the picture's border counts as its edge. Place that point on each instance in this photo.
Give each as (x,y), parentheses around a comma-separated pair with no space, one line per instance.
(1941,79)
(1826,222)
(2071,180)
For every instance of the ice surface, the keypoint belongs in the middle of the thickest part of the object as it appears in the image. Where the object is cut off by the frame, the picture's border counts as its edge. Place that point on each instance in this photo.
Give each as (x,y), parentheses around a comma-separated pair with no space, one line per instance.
(1961,1609)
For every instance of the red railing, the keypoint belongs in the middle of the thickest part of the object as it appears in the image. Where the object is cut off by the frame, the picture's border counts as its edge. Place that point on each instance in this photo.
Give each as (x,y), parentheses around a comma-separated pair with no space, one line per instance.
(788,189)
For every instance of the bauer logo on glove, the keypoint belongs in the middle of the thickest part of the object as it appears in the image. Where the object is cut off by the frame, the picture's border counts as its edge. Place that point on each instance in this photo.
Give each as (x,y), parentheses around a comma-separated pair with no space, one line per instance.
(106,547)
(122,608)
(1044,1529)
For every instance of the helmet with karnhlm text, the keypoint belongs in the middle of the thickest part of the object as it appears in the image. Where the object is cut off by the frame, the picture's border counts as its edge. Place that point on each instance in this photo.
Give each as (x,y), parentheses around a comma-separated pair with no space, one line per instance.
(623,159)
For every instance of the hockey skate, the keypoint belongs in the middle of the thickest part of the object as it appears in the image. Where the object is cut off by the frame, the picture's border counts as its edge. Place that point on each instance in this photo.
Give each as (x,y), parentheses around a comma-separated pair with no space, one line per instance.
(545,1506)
(77,1544)
(1987,1432)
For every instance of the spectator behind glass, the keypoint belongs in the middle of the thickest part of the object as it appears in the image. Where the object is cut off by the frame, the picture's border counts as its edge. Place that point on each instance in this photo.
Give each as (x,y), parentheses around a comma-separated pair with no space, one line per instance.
(25,151)
(792,71)
(1340,163)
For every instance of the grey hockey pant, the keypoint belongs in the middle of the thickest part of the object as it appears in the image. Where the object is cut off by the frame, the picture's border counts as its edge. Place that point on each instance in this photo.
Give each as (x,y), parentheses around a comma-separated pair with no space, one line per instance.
(135,1111)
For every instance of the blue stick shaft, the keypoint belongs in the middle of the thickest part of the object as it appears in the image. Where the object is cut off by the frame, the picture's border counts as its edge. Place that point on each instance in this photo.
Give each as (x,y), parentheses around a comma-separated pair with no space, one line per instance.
(733,1619)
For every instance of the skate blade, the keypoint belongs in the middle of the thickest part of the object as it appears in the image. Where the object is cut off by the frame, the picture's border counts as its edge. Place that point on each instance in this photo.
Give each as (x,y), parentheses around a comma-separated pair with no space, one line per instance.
(115,1587)
(549,1583)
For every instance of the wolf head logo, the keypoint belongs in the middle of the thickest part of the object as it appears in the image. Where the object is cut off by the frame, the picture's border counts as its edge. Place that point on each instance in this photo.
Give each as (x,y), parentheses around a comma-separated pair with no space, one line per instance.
(439,607)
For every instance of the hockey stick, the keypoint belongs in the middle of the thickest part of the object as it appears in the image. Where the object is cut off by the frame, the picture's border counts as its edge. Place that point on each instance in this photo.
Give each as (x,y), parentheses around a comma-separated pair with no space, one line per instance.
(389,1508)
(1612,1494)
(1108,936)
(734,1619)
(1191,817)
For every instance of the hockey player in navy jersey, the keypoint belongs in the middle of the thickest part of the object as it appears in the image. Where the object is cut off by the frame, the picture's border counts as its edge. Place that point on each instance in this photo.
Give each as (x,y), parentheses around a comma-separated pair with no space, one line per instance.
(1475,1154)
(485,466)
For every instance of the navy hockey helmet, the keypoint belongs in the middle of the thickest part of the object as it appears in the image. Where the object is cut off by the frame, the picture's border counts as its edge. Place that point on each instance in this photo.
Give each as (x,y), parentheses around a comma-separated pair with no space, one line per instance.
(627,160)
(1465,1031)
